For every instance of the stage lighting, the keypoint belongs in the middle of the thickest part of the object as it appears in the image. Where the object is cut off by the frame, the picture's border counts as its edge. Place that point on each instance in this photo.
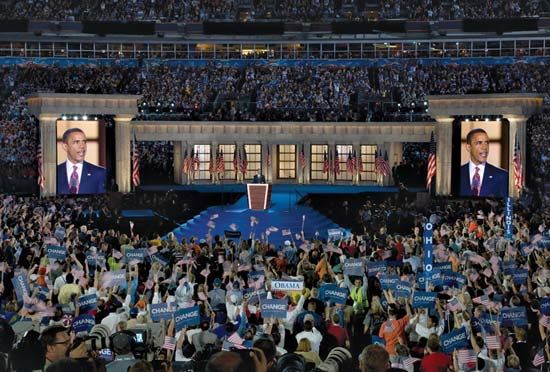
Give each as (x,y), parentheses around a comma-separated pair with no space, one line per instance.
(75,117)
(84,117)
(486,119)
(64,117)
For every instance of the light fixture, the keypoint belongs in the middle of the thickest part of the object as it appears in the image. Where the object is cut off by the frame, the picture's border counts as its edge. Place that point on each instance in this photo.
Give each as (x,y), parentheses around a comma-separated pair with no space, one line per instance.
(486,119)
(64,117)
(75,117)
(467,119)
(84,117)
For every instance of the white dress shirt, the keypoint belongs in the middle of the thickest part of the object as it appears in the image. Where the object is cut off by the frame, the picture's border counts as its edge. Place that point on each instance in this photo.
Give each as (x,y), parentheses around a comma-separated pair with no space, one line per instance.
(472,168)
(69,166)
(314,336)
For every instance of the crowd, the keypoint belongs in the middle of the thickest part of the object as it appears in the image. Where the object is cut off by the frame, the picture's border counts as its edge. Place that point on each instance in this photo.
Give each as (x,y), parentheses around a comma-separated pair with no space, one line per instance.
(77,291)
(302,10)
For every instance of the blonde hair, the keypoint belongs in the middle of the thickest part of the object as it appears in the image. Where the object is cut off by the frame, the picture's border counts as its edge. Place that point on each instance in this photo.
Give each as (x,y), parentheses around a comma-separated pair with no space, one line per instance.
(376,306)
(304,345)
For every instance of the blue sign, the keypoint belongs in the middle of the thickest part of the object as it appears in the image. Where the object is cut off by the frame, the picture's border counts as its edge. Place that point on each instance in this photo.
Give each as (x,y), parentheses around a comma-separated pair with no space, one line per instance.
(455,340)
(56,252)
(354,266)
(520,276)
(335,294)
(508,267)
(161,311)
(545,306)
(255,275)
(114,278)
(443,266)
(388,281)
(451,279)
(87,303)
(378,340)
(160,259)
(21,286)
(489,321)
(424,300)
(508,218)
(95,260)
(376,267)
(187,317)
(513,316)
(403,289)
(135,255)
(428,253)
(254,296)
(274,308)
(83,323)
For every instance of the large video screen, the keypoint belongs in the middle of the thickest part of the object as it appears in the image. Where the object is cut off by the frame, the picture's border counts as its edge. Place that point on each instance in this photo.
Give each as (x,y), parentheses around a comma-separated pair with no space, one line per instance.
(80,158)
(484,159)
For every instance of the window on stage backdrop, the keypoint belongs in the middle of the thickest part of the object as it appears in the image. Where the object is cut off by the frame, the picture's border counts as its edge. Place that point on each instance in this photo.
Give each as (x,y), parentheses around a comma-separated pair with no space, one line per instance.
(228,155)
(203,152)
(368,155)
(318,162)
(287,162)
(254,157)
(343,152)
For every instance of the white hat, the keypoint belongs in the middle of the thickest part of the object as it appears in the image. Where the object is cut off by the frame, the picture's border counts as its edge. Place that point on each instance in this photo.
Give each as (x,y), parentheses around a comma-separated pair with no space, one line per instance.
(287,243)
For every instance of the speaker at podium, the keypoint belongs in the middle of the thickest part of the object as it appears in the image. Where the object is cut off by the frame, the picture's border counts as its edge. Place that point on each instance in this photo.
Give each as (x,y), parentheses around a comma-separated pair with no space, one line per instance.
(259,193)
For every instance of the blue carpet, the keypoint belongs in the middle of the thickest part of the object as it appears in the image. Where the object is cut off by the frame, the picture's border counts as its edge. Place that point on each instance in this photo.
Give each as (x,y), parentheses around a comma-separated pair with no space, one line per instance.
(284,213)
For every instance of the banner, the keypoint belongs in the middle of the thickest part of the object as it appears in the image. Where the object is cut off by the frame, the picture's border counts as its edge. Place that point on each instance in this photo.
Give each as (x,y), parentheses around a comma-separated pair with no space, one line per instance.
(513,316)
(161,311)
(87,303)
(388,281)
(508,267)
(424,300)
(95,259)
(160,259)
(187,317)
(403,289)
(255,275)
(135,255)
(443,266)
(287,285)
(56,252)
(354,266)
(488,321)
(508,218)
(545,306)
(334,293)
(428,253)
(113,278)
(254,296)
(520,276)
(21,286)
(449,278)
(83,323)
(455,340)
(373,268)
(335,234)
(274,308)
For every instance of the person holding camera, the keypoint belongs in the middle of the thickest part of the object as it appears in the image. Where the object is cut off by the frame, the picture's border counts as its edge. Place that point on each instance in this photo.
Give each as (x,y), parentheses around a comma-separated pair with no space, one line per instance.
(56,342)
(121,344)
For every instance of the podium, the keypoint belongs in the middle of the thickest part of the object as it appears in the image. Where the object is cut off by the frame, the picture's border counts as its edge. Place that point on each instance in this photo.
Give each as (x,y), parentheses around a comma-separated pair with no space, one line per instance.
(259,196)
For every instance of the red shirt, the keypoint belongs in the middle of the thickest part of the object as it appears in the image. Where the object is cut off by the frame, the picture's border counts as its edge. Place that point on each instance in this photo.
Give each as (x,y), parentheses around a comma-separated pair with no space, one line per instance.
(339,333)
(435,362)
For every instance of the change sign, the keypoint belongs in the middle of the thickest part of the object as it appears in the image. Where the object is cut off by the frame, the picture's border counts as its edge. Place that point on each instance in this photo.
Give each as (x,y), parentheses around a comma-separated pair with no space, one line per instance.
(489,321)
(424,300)
(514,316)
(273,308)
(87,303)
(161,311)
(545,306)
(354,266)
(56,252)
(335,294)
(373,268)
(455,340)
(21,286)
(287,285)
(135,255)
(83,323)
(187,317)
(389,281)
(403,289)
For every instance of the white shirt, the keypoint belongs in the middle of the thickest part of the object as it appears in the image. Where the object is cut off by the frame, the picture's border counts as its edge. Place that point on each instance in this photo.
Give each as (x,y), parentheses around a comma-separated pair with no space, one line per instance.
(314,336)
(69,166)
(472,168)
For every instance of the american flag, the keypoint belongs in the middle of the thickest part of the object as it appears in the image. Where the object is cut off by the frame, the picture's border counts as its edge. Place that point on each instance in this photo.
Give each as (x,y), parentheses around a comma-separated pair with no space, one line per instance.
(235,339)
(268,160)
(185,166)
(545,321)
(169,343)
(350,165)
(326,164)
(454,305)
(358,162)
(518,167)
(302,158)
(482,300)
(244,162)
(236,159)
(212,166)
(220,163)
(135,164)
(195,160)
(467,356)
(377,162)
(386,169)
(286,232)
(409,361)
(336,162)
(493,342)
(41,179)
(539,358)
(431,163)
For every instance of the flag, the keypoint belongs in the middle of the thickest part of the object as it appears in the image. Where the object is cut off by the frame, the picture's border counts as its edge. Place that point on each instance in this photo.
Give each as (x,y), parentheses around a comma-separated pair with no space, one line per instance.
(358,162)
(212,166)
(268,160)
(545,321)
(454,305)
(41,179)
(195,161)
(236,159)
(235,339)
(539,358)
(518,167)
(409,361)
(244,162)
(302,157)
(135,164)
(336,162)
(169,343)
(221,163)
(326,164)
(482,300)
(467,356)
(185,163)
(493,342)
(431,163)
(378,162)
(286,232)
(386,169)
(350,166)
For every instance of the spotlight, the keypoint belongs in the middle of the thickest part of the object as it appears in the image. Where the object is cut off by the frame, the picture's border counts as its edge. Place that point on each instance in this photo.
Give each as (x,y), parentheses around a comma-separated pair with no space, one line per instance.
(75,117)
(95,118)
(64,117)
(425,103)
(84,117)
(498,119)
(467,119)
(486,119)
(477,119)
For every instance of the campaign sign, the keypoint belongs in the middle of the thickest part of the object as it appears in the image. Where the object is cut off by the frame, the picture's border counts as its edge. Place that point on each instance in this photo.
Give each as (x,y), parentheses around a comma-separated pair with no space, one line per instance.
(373,268)
(424,299)
(443,266)
(545,306)
(378,340)
(255,275)
(354,266)
(114,278)
(403,289)
(508,218)
(520,276)
(83,323)
(274,308)
(489,321)
(452,279)
(254,296)
(160,259)
(135,255)
(514,316)
(161,311)
(336,294)
(287,285)
(21,286)
(388,281)
(428,253)
(87,303)
(56,252)
(334,234)
(508,267)
(95,259)
(187,317)
(455,340)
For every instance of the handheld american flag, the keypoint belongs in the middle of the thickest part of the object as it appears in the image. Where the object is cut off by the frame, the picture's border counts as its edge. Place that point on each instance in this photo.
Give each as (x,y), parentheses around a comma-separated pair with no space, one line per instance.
(432,166)
(493,342)
(539,358)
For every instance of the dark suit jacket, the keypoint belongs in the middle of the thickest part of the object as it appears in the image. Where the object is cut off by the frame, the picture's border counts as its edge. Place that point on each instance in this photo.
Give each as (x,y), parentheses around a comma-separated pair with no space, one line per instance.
(494,182)
(92,180)
(259,179)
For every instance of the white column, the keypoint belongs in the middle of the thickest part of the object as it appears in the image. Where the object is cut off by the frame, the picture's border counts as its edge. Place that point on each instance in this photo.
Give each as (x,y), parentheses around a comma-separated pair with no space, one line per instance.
(48,139)
(178,161)
(517,126)
(307,170)
(122,140)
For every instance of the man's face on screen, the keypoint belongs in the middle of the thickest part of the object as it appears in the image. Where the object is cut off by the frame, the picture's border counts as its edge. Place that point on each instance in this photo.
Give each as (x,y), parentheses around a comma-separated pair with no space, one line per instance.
(75,147)
(478,148)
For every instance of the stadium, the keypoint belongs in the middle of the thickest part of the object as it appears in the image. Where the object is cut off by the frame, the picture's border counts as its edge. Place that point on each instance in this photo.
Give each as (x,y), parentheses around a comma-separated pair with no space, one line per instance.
(305,185)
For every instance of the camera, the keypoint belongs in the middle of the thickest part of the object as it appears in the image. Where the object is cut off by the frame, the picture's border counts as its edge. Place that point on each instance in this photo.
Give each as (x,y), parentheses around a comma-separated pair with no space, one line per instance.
(338,360)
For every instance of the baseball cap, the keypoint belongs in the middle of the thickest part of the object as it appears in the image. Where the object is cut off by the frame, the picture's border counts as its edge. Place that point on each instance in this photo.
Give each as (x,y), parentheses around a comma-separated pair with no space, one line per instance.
(309,317)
